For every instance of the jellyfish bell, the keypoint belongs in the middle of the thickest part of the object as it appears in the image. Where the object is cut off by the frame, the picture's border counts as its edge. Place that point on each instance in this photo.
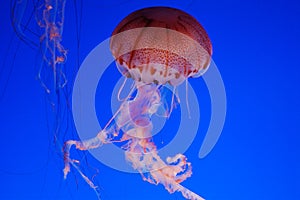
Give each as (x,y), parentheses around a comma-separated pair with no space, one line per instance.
(161,45)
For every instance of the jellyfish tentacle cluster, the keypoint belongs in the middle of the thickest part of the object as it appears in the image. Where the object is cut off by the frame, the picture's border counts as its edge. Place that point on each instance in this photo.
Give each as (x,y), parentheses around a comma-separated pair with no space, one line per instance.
(134,123)
(54,53)
(153,46)
(50,17)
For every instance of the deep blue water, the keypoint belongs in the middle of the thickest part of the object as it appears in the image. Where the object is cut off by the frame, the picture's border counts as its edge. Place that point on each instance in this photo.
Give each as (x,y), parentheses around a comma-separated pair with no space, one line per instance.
(256,49)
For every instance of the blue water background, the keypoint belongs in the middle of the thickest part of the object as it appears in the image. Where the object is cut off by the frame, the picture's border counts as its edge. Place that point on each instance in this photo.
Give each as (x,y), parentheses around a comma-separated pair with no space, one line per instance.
(256,48)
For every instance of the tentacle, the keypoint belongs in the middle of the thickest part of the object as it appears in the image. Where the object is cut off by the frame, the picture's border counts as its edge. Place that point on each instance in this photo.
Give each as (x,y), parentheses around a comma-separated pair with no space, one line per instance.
(103,137)
(154,170)
(187,98)
(143,155)
(133,120)
(53,52)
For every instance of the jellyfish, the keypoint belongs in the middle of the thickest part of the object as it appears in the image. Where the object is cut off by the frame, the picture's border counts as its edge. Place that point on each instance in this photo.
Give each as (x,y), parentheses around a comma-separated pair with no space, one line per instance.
(154,46)
(39,25)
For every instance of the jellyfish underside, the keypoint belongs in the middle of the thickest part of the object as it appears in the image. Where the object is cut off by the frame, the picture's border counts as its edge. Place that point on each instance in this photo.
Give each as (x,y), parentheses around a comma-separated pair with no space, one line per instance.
(132,125)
